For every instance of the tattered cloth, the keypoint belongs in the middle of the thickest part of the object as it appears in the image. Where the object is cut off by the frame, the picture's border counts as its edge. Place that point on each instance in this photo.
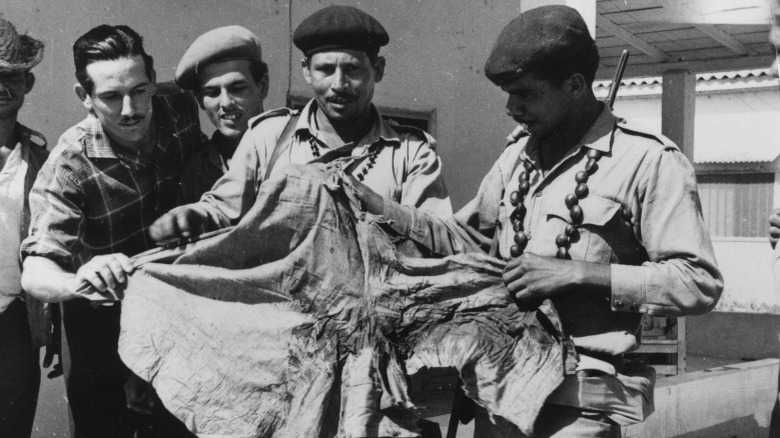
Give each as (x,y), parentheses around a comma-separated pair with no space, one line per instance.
(305,319)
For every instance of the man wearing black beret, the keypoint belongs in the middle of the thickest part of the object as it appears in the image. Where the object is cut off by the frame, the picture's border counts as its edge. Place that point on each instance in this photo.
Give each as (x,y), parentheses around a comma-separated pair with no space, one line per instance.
(342,64)
(224,68)
(599,216)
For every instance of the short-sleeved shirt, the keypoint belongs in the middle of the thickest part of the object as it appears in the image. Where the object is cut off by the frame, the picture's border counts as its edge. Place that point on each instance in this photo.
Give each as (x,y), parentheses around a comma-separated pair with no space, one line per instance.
(95,197)
(407,168)
(22,164)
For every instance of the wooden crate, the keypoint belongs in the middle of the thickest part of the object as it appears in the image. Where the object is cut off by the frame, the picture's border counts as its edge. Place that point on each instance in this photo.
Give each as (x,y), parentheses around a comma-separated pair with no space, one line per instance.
(663,344)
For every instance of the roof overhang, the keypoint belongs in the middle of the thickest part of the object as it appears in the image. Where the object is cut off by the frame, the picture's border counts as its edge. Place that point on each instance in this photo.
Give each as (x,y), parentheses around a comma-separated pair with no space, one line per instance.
(695,35)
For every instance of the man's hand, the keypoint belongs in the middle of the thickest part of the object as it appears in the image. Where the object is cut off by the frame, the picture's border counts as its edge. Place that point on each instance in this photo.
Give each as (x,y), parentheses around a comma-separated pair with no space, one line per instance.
(531,278)
(139,395)
(181,223)
(774,227)
(106,274)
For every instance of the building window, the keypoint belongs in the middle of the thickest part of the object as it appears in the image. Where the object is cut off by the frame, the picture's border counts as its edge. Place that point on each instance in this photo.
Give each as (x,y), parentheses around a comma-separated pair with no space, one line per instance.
(736,204)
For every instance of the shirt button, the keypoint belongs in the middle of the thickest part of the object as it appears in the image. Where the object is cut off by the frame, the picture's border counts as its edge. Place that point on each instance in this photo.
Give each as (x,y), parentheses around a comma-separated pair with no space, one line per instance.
(618,304)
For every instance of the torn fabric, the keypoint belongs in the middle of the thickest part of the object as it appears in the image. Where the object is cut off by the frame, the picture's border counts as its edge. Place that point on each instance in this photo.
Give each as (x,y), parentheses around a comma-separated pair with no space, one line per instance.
(305,319)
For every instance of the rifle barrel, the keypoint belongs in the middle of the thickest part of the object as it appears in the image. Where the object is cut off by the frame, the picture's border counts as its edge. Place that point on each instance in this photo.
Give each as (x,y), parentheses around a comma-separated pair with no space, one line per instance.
(613,89)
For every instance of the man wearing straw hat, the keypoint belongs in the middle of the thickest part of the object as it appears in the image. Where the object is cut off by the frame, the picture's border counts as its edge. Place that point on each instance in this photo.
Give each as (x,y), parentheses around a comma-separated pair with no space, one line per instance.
(22,153)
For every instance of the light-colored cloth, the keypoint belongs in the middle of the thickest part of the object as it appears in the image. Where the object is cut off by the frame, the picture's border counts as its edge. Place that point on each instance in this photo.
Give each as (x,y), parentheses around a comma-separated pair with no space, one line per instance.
(308,330)
(12,195)
(38,313)
(407,168)
(642,216)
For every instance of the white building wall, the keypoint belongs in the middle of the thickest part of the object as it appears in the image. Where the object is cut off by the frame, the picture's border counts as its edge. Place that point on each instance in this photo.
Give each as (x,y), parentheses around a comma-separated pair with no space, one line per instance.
(733,126)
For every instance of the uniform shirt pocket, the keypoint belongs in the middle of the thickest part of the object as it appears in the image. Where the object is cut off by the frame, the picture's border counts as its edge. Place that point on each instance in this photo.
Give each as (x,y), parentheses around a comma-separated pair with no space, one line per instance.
(591,244)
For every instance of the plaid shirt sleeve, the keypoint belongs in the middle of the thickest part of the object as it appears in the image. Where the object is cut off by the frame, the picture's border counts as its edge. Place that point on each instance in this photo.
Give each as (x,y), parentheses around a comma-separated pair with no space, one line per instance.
(57,218)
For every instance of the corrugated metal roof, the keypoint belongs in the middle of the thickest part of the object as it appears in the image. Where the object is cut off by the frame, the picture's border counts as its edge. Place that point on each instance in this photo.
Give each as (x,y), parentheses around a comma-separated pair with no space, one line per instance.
(744,76)
(737,113)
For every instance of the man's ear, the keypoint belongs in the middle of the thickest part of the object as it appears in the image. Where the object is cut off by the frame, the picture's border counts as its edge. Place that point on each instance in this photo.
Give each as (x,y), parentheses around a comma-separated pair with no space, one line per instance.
(576,85)
(85,98)
(153,80)
(30,80)
(306,72)
(263,84)
(379,68)
(199,98)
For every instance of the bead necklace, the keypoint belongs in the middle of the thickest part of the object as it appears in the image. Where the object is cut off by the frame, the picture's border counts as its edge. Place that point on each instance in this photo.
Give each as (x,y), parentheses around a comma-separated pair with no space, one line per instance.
(563,240)
(315,148)
(369,163)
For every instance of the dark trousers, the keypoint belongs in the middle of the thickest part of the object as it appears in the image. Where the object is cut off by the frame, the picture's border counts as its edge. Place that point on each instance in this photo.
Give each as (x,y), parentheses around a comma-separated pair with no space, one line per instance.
(20,375)
(96,376)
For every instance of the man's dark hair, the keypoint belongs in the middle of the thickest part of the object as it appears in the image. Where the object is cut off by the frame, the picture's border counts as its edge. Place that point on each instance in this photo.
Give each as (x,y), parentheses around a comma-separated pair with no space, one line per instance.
(107,43)
(585,61)
(258,70)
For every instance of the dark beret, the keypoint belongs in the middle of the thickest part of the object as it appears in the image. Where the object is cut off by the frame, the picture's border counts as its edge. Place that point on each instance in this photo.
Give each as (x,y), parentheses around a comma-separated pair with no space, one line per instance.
(339,27)
(221,44)
(544,35)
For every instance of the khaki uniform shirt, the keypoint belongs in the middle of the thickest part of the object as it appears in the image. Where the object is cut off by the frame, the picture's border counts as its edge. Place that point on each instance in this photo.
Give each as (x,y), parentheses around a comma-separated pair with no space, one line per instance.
(407,168)
(642,216)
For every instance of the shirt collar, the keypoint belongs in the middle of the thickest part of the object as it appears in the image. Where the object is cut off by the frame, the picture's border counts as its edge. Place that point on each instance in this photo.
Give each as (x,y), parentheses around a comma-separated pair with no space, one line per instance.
(213,156)
(379,132)
(598,136)
(21,138)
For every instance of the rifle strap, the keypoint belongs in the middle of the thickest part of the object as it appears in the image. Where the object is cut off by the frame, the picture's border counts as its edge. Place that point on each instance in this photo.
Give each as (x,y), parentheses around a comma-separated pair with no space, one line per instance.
(283,144)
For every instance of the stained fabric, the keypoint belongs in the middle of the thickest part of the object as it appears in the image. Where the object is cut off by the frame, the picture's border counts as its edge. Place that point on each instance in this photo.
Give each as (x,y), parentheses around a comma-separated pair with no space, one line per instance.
(307,317)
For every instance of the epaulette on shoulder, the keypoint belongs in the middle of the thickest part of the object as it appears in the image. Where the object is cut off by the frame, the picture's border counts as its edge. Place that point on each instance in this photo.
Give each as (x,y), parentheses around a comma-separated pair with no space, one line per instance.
(413,130)
(519,133)
(641,131)
(279,112)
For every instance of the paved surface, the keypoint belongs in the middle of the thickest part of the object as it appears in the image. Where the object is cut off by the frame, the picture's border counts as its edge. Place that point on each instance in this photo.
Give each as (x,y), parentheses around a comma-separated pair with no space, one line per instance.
(51,419)
(436,401)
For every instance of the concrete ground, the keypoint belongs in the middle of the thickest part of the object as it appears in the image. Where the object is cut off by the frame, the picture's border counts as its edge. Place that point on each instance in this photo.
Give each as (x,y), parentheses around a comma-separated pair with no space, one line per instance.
(51,419)
(436,401)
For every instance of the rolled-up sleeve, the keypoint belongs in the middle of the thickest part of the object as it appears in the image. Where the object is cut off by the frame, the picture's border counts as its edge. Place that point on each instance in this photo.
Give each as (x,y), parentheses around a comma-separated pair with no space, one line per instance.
(234,193)
(423,187)
(469,229)
(681,276)
(57,218)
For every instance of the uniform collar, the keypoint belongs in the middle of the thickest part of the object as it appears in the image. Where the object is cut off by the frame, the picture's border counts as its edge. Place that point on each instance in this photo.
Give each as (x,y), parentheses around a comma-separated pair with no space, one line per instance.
(598,136)
(380,131)
(214,158)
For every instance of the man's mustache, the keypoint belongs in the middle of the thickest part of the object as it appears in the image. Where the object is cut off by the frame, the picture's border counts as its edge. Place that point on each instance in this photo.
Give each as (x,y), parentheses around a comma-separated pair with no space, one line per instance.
(130,120)
(347,96)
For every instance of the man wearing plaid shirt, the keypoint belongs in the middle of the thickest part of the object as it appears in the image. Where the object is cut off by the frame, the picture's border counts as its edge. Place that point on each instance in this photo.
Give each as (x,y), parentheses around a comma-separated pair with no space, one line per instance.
(109,177)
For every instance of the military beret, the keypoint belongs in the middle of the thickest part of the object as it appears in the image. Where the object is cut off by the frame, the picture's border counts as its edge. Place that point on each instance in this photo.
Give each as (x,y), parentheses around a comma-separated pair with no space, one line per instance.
(541,36)
(339,27)
(221,44)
